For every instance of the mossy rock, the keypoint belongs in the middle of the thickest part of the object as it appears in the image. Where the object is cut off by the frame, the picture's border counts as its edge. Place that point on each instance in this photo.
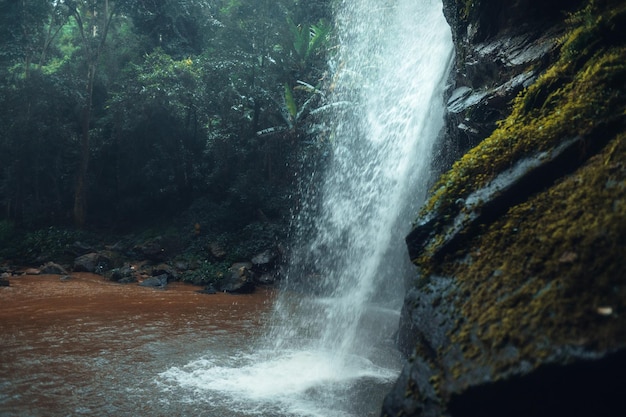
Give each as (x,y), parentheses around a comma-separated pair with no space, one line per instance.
(581,95)
(537,288)
(551,272)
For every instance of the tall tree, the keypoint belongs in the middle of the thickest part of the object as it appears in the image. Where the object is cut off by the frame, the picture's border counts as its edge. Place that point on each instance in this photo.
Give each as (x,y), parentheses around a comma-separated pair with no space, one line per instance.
(33,105)
(93,19)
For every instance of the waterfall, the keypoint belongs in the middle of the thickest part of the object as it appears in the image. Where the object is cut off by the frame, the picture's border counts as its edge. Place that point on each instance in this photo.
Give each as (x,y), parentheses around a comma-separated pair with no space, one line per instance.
(335,318)
(390,70)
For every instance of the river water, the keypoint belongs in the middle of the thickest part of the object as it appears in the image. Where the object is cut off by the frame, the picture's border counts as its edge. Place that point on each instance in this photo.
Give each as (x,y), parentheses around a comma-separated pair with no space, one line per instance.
(89,347)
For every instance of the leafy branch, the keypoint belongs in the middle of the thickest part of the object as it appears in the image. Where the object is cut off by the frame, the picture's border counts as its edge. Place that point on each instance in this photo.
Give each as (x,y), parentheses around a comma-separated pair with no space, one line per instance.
(290,111)
(307,41)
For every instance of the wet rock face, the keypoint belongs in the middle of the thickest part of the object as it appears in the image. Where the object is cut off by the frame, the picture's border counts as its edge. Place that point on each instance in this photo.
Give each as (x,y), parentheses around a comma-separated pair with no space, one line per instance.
(501,48)
(475,21)
(517,307)
(588,387)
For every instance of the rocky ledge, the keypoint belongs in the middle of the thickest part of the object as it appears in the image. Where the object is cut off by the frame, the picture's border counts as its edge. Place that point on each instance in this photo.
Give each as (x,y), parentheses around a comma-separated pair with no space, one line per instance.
(155,263)
(517,307)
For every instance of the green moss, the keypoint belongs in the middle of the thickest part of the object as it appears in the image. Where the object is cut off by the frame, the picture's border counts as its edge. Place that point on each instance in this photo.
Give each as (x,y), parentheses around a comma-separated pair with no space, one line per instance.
(550,272)
(577,96)
(465,8)
(540,275)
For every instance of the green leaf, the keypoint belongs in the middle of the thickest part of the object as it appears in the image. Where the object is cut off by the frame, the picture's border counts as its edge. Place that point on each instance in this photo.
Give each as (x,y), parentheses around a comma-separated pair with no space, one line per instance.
(300,38)
(290,102)
(318,37)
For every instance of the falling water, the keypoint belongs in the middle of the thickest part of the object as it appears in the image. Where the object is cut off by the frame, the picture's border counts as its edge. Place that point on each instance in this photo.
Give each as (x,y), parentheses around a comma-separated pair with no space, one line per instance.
(330,339)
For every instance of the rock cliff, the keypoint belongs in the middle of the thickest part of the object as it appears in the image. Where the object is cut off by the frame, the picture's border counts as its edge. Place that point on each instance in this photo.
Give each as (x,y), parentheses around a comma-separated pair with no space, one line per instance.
(518,307)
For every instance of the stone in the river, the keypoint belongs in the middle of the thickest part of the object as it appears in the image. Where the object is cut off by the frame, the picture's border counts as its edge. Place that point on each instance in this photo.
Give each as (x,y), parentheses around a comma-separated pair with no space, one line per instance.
(159,281)
(52,268)
(240,278)
(96,262)
(123,275)
(209,289)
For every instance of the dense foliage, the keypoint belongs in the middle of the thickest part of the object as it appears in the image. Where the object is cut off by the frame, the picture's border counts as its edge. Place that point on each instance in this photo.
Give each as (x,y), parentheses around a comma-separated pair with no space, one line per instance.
(121,114)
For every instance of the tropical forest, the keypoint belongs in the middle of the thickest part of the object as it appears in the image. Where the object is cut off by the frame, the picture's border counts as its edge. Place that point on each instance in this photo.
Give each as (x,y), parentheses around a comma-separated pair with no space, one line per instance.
(157,118)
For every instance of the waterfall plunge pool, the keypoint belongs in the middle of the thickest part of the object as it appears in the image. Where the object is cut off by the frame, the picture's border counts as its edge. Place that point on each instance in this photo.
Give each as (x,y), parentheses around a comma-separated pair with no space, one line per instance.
(89,347)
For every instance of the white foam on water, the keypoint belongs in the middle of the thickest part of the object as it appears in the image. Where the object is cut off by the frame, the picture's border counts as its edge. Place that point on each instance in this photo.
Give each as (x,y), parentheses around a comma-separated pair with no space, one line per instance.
(294,383)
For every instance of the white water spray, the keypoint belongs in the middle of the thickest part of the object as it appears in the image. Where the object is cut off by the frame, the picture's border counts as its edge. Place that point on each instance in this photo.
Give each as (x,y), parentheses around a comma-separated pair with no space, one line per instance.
(391,67)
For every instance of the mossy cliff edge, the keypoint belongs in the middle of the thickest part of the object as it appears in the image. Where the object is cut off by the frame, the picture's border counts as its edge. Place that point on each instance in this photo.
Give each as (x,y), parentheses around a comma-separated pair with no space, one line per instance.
(519,301)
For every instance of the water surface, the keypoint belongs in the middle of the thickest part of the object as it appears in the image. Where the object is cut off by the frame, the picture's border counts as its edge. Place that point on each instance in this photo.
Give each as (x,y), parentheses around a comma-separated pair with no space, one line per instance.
(92,347)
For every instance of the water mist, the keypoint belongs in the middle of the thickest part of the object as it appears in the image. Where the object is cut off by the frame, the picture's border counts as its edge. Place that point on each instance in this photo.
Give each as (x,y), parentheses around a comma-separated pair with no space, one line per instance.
(330,339)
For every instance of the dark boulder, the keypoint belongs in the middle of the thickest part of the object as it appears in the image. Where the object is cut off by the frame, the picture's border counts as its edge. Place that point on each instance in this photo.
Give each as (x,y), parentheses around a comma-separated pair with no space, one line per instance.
(265,267)
(164,269)
(152,249)
(52,268)
(265,260)
(209,289)
(267,278)
(80,248)
(86,263)
(240,279)
(96,262)
(123,275)
(217,251)
(590,386)
(159,281)
(473,112)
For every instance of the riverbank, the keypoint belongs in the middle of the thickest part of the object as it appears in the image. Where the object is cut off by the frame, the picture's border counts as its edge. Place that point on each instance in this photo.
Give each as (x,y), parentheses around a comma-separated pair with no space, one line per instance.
(47,298)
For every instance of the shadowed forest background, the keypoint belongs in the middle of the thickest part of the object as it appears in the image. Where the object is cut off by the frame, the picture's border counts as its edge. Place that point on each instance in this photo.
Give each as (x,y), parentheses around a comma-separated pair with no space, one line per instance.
(125,116)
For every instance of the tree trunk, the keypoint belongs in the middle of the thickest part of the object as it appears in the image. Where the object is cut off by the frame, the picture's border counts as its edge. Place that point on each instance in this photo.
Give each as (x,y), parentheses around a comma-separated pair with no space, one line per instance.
(93,56)
(80,195)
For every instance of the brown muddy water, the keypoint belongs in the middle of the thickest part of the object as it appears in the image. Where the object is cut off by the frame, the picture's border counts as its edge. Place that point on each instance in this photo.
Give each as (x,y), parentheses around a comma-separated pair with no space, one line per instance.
(89,347)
